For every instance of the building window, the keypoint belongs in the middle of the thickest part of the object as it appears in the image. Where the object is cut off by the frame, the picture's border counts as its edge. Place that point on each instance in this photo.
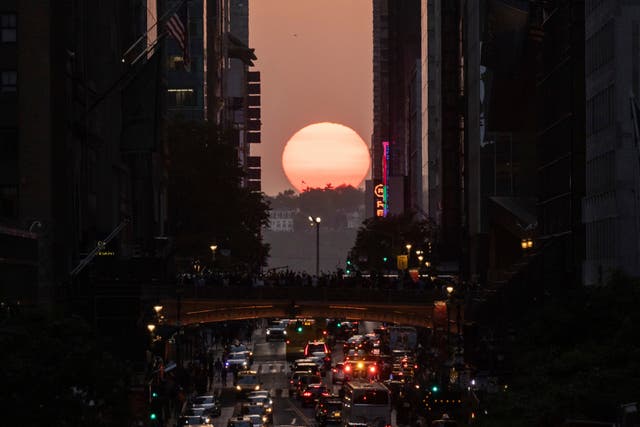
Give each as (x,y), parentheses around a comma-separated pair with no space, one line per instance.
(600,111)
(8,33)
(181,98)
(176,62)
(600,48)
(8,81)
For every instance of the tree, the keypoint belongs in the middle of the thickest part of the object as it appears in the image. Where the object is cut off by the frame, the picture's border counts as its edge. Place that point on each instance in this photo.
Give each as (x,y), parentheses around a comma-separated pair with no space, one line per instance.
(207,204)
(381,239)
(576,354)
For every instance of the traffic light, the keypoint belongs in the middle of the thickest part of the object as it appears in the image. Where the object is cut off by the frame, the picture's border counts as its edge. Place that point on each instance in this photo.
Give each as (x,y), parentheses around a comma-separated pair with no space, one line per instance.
(339,325)
(299,326)
(153,416)
(348,262)
(385,259)
(435,388)
(154,394)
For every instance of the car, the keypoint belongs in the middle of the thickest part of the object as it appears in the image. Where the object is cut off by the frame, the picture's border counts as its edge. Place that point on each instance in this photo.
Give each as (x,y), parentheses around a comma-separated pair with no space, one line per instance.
(259,393)
(243,354)
(252,409)
(240,421)
(264,401)
(256,420)
(247,381)
(312,392)
(329,411)
(305,379)
(307,364)
(276,334)
(293,381)
(323,360)
(337,373)
(313,346)
(239,364)
(194,420)
(209,404)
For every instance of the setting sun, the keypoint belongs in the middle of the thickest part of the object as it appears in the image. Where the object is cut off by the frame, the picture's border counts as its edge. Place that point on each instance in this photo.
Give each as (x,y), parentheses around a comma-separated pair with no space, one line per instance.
(325,153)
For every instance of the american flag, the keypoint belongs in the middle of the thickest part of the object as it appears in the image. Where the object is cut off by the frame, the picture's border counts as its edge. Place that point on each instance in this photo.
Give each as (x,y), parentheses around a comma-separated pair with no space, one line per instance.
(178,28)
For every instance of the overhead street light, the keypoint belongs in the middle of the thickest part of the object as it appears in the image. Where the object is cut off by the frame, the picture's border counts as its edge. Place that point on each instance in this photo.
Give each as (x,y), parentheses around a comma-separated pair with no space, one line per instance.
(316,222)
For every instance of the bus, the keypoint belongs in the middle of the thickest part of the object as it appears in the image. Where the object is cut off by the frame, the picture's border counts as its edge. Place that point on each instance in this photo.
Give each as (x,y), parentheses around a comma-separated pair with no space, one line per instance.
(367,403)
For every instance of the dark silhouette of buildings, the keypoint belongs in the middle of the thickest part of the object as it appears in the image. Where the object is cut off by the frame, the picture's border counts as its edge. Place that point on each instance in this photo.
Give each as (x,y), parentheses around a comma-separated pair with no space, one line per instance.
(83,157)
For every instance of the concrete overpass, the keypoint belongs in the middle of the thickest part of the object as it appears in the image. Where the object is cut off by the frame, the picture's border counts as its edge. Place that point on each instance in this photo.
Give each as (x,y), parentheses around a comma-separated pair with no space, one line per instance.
(216,304)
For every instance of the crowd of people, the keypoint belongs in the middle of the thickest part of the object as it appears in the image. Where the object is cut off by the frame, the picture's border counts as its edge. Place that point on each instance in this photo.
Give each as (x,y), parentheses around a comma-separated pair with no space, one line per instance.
(337,279)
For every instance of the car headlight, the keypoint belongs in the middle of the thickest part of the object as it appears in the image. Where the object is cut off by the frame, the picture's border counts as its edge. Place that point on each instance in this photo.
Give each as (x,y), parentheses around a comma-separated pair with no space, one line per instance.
(238,388)
(268,332)
(257,387)
(269,409)
(285,332)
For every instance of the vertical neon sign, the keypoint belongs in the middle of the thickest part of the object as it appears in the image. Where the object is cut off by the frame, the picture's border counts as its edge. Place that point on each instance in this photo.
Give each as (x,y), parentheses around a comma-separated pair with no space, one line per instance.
(380,191)
(385,175)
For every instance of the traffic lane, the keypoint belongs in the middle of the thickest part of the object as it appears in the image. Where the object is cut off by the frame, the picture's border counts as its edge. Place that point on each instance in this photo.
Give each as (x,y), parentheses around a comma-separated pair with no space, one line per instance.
(288,412)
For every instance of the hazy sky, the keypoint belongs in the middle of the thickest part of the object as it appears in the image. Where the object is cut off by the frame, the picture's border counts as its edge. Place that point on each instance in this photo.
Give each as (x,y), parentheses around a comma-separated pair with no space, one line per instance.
(315,59)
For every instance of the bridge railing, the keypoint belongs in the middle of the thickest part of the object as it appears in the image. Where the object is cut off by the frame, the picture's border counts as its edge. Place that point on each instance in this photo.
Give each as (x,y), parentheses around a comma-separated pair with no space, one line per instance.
(310,293)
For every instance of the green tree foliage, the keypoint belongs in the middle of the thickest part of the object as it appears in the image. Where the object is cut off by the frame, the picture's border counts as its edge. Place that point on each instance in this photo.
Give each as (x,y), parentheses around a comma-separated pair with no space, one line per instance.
(329,203)
(56,372)
(379,238)
(207,204)
(576,355)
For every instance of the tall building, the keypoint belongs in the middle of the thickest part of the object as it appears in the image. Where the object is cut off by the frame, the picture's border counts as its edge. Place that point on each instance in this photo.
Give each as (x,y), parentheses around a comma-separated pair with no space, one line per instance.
(396,105)
(558,27)
(443,125)
(611,208)
(82,154)
(185,83)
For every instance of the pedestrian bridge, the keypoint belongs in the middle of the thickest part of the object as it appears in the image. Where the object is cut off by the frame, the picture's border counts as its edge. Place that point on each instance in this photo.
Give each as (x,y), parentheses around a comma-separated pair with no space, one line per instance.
(196,305)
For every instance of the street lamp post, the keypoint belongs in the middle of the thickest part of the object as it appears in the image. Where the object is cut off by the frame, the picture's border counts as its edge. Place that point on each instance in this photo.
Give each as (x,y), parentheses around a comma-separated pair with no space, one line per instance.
(449,292)
(213,252)
(316,222)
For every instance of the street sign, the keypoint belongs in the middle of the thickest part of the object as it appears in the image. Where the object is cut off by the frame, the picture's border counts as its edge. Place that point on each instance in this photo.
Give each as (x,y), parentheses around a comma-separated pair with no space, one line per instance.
(403,262)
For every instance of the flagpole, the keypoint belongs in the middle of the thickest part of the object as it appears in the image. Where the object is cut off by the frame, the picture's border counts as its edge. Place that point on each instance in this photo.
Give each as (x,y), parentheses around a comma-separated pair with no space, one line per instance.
(155,24)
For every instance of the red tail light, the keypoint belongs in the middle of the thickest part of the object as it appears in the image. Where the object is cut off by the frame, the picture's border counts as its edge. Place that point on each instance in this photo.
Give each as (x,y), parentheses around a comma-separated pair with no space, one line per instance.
(347,368)
(372,369)
(306,393)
